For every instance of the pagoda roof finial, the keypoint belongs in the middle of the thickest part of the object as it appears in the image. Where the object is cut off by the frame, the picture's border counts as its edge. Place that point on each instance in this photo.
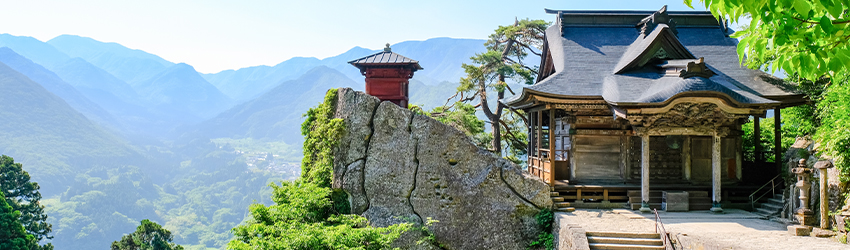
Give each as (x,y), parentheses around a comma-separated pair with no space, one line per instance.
(388,49)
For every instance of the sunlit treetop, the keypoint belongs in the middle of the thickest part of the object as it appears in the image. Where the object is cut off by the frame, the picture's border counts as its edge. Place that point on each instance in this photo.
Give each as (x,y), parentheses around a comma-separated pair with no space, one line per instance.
(809,37)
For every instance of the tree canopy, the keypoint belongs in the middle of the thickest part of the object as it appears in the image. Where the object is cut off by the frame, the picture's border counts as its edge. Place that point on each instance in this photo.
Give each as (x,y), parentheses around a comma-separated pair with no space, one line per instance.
(810,41)
(12,234)
(23,196)
(507,49)
(799,36)
(148,236)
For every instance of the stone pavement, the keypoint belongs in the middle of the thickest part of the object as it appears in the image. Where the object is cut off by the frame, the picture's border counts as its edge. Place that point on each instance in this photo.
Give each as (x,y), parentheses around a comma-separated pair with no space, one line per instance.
(734,229)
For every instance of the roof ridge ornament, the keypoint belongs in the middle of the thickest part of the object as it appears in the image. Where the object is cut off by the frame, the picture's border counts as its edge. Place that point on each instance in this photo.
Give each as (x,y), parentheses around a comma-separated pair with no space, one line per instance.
(647,24)
(388,49)
(696,69)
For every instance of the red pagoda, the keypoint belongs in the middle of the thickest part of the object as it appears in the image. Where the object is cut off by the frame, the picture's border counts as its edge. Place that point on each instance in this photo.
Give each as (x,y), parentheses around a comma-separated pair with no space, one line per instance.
(387,75)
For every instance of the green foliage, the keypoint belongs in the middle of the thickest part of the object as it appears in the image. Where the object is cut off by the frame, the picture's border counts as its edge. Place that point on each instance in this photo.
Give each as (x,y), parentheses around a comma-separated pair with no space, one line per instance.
(834,133)
(462,117)
(148,236)
(303,218)
(12,233)
(809,37)
(507,49)
(545,219)
(429,237)
(340,202)
(321,133)
(23,196)
(306,213)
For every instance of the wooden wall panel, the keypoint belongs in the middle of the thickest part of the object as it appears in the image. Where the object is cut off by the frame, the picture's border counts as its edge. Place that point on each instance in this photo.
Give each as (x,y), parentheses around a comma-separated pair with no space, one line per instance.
(701,158)
(597,157)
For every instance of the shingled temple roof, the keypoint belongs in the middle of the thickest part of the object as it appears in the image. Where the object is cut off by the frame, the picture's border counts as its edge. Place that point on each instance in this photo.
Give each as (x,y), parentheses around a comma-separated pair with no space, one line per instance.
(616,56)
(386,57)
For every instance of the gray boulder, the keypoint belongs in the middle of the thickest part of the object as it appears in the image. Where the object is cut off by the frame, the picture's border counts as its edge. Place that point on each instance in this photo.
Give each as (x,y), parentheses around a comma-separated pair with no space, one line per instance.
(415,168)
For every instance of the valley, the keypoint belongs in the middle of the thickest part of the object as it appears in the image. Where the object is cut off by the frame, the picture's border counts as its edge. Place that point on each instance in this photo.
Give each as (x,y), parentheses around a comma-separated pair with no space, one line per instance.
(114,135)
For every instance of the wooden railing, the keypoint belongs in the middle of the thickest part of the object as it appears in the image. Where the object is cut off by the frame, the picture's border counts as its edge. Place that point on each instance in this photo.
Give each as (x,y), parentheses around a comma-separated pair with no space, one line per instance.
(541,166)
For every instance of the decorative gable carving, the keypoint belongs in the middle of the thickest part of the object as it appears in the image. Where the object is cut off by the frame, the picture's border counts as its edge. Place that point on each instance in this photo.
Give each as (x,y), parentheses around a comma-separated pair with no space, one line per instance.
(657,41)
(650,22)
(688,114)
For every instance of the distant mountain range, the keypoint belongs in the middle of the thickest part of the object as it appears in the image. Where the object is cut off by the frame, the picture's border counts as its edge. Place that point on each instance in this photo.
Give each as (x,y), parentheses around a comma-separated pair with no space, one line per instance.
(53,139)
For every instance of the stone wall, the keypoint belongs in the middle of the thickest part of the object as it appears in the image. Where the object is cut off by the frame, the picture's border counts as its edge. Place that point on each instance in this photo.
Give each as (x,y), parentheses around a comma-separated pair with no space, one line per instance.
(569,236)
(398,167)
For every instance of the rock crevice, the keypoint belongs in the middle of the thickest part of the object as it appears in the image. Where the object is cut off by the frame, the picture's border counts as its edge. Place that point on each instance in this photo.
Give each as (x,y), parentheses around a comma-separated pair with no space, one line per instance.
(401,167)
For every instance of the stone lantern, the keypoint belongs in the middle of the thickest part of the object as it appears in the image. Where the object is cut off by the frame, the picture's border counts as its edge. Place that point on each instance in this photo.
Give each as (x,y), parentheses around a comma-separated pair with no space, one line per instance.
(804,214)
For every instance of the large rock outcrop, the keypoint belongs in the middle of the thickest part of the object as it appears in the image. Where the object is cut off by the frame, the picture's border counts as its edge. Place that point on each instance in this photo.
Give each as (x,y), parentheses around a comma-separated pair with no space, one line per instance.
(399,167)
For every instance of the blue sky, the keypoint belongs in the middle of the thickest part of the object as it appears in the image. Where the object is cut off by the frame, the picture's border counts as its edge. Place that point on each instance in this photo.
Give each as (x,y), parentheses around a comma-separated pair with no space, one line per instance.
(215,35)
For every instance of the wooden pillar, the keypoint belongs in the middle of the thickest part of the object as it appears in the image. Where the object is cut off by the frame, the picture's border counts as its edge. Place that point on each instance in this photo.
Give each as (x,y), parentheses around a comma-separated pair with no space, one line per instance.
(777,139)
(552,147)
(757,138)
(644,173)
(739,147)
(824,200)
(539,128)
(715,174)
(529,151)
(686,157)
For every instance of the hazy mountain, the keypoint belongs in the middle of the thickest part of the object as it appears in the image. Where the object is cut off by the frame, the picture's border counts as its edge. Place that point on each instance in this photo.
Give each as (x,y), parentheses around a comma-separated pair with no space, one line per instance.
(124,63)
(48,136)
(182,91)
(276,115)
(57,86)
(248,83)
(33,49)
(234,83)
(441,58)
(97,84)
(115,96)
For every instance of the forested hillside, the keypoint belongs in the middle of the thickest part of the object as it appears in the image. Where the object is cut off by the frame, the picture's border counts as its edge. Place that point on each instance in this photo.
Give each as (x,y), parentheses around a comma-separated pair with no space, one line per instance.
(115,135)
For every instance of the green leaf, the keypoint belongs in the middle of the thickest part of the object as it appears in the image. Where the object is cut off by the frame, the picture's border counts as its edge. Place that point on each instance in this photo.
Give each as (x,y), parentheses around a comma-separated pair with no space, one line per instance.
(803,7)
(826,24)
(742,49)
(688,3)
(835,10)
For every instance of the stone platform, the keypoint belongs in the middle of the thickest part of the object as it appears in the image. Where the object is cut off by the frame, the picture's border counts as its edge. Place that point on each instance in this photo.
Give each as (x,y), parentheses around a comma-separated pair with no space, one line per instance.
(733,229)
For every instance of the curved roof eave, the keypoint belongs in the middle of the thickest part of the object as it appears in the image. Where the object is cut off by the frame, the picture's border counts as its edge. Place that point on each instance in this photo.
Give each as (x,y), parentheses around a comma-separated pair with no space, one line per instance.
(711,94)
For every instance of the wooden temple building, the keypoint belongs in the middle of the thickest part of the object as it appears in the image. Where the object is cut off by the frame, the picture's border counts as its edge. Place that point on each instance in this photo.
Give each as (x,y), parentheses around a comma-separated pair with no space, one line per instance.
(387,75)
(631,103)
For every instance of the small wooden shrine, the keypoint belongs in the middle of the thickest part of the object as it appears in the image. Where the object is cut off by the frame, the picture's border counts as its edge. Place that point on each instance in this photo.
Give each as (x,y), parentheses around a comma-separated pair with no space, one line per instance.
(387,75)
(631,103)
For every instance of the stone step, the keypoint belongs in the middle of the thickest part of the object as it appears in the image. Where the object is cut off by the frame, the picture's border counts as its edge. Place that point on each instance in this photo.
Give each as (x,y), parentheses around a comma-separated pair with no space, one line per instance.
(554,194)
(625,235)
(557,199)
(562,204)
(772,206)
(620,240)
(763,215)
(766,211)
(604,246)
(565,209)
(777,201)
(777,196)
